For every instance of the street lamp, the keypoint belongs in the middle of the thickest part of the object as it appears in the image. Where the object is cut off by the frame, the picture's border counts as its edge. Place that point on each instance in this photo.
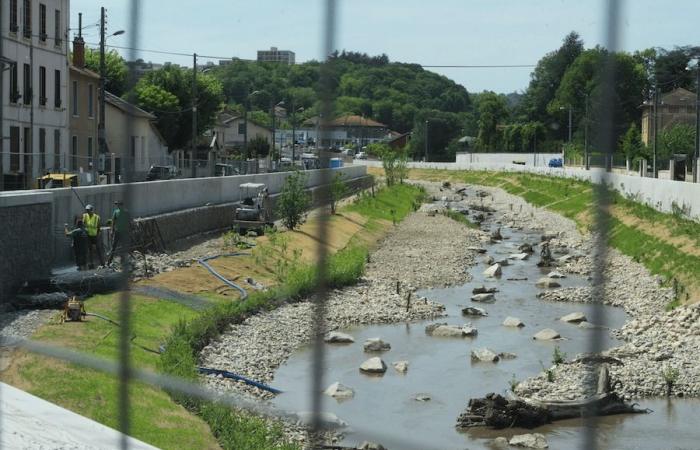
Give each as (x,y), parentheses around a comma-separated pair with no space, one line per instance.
(294,139)
(245,122)
(561,108)
(695,65)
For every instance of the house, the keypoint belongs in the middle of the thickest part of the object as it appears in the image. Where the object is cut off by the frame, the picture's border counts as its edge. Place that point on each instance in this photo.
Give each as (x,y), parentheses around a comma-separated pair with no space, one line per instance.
(133,141)
(231,131)
(34,80)
(84,114)
(347,129)
(675,107)
(398,141)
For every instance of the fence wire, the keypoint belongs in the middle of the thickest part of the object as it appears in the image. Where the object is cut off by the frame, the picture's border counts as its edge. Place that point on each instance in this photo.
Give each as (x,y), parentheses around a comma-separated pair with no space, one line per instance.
(127,374)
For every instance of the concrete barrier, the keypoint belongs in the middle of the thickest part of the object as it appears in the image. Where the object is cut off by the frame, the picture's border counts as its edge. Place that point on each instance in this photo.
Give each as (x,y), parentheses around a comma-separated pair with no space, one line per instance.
(33,242)
(661,194)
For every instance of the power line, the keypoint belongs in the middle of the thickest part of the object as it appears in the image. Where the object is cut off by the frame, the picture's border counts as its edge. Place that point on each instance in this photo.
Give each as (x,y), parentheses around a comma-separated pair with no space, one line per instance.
(484,66)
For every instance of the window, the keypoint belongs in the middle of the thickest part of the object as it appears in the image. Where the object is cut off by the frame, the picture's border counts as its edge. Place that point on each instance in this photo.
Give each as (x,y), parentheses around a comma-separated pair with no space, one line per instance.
(42,85)
(14,26)
(14,149)
(241,128)
(74,154)
(27,22)
(91,101)
(57,89)
(27,84)
(42,149)
(56,150)
(132,146)
(143,151)
(14,87)
(27,149)
(42,22)
(74,98)
(58,39)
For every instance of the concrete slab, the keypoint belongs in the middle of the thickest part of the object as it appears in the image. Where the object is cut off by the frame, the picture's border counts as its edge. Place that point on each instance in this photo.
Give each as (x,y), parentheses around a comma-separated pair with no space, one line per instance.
(30,422)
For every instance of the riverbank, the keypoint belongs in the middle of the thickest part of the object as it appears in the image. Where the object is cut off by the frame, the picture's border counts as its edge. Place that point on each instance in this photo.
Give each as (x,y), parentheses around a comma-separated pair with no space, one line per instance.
(425,250)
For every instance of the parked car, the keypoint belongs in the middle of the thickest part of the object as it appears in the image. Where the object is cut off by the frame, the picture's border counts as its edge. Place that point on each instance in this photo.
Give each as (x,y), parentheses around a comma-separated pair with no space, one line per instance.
(361,155)
(161,173)
(224,170)
(556,162)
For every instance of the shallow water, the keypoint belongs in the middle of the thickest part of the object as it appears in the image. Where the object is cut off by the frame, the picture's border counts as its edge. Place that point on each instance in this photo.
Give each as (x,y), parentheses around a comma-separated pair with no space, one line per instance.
(384,407)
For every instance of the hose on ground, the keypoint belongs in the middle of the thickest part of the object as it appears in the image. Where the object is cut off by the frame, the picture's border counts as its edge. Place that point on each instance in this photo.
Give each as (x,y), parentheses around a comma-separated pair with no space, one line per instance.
(234,376)
(107,319)
(205,264)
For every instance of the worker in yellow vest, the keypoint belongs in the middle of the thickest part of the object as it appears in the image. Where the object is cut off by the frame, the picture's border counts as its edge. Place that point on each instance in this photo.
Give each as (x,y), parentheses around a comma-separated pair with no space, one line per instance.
(92,224)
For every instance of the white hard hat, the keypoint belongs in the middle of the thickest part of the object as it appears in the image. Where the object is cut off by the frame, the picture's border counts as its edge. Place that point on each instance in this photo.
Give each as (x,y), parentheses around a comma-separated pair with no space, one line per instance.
(88,207)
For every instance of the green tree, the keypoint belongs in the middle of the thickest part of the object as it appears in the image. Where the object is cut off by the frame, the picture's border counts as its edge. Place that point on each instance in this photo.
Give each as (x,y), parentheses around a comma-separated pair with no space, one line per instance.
(177,83)
(294,200)
(677,139)
(258,147)
(492,112)
(631,145)
(116,70)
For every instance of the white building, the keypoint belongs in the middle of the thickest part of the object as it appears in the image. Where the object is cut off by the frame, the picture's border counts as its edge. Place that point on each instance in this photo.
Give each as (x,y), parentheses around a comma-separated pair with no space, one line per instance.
(275,55)
(34,89)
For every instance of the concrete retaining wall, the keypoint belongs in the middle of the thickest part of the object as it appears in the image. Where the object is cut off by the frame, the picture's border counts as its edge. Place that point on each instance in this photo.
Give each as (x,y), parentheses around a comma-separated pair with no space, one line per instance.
(662,195)
(530,159)
(33,243)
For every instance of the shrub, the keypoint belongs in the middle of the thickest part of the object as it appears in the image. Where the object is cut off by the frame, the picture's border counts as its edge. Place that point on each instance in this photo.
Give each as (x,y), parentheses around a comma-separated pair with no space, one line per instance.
(294,200)
(338,190)
(558,357)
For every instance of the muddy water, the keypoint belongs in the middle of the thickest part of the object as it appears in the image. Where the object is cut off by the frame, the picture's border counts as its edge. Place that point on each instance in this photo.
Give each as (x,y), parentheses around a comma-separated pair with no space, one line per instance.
(385,406)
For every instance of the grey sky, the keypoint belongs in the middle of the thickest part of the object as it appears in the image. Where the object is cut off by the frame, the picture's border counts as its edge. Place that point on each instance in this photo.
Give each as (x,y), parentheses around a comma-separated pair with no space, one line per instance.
(436,32)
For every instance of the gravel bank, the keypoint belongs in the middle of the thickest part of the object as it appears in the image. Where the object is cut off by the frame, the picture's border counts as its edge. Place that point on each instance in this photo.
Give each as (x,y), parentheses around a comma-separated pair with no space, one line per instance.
(422,251)
(654,340)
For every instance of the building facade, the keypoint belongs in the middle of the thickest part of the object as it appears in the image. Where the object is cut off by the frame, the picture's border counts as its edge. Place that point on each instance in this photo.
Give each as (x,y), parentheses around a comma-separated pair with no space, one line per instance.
(33,88)
(275,55)
(675,108)
(231,132)
(84,115)
(132,140)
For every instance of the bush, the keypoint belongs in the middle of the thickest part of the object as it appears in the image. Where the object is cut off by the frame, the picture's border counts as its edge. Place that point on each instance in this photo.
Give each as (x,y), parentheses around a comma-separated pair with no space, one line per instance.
(338,190)
(294,200)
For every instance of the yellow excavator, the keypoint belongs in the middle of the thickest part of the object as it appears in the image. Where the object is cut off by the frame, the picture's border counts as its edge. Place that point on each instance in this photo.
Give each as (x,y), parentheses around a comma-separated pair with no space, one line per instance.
(57,180)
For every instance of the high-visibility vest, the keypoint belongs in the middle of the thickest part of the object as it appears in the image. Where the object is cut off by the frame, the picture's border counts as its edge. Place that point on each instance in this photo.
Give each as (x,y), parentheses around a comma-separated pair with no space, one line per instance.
(92,224)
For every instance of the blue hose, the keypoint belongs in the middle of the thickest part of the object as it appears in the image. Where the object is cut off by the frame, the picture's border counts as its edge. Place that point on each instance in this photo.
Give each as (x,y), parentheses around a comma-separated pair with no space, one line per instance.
(203,262)
(233,376)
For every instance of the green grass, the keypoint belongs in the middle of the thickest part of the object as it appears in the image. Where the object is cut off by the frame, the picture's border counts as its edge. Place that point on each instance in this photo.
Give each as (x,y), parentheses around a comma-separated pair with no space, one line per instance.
(237,430)
(459,217)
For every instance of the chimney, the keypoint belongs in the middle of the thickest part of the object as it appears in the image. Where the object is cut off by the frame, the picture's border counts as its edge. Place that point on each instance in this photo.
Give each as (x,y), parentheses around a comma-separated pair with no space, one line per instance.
(79,45)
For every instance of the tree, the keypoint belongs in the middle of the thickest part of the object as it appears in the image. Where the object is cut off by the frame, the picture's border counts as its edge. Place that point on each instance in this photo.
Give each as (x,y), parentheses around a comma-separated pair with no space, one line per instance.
(294,200)
(116,70)
(677,139)
(492,111)
(258,147)
(631,145)
(338,190)
(169,83)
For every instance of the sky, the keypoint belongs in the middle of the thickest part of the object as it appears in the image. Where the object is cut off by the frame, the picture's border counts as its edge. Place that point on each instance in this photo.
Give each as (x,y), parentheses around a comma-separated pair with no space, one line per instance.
(428,32)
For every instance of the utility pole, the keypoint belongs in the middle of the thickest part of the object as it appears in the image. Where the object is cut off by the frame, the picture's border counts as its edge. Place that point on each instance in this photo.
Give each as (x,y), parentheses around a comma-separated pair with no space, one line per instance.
(101,138)
(585,139)
(570,117)
(294,139)
(2,105)
(426,141)
(194,116)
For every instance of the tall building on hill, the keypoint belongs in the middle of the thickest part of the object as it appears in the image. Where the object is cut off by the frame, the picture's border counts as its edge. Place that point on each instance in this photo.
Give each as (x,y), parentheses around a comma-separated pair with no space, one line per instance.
(275,55)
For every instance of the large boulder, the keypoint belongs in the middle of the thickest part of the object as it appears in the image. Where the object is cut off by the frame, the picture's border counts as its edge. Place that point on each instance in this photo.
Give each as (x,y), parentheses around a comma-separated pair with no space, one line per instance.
(371,446)
(555,274)
(339,391)
(376,345)
(401,366)
(488,260)
(336,337)
(519,256)
(547,283)
(473,311)
(483,298)
(484,355)
(493,271)
(328,419)
(445,330)
(513,322)
(530,440)
(574,317)
(373,365)
(546,334)
(477,249)
(525,248)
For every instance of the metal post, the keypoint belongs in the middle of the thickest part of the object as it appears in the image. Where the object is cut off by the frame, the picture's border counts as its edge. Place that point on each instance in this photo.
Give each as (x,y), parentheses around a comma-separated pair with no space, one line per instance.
(585,143)
(426,141)
(193,154)
(101,137)
(2,105)
(697,122)
(272,150)
(245,130)
(570,117)
(29,171)
(294,144)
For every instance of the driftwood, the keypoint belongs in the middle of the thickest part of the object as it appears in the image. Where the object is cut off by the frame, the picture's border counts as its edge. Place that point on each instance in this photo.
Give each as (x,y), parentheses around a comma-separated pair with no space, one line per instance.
(499,412)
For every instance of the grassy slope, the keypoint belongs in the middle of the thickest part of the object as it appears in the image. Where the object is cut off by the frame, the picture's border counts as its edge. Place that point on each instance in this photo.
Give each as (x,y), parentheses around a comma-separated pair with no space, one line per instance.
(156,417)
(667,244)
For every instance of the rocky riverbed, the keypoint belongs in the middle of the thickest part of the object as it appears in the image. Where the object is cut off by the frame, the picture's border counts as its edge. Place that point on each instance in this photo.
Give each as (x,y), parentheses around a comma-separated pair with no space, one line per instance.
(425,250)
(659,345)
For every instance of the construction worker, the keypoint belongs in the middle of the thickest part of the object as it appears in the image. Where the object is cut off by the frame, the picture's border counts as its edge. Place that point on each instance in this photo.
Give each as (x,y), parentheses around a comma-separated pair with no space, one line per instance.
(119,227)
(80,243)
(92,227)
